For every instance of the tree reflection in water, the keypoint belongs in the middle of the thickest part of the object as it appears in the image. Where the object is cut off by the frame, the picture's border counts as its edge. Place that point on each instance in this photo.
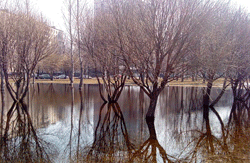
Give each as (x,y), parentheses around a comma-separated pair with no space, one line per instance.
(71,122)
(113,144)
(111,139)
(231,146)
(239,131)
(180,134)
(206,144)
(147,152)
(79,125)
(20,142)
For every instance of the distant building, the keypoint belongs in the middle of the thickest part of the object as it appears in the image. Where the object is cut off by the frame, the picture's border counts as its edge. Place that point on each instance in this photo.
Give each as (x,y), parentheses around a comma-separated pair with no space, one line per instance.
(100,5)
(4,11)
(58,36)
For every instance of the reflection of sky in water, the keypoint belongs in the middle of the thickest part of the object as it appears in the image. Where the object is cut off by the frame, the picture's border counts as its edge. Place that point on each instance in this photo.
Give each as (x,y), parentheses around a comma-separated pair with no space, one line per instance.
(175,132)
(58,134)
(175,129)
(178,114)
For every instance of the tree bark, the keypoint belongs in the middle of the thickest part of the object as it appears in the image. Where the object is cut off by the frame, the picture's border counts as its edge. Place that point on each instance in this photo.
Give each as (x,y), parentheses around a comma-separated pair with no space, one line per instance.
(206,100)
(151,128)
(221,93)
(2,98)
(71,43)
(79,47)
(152,105)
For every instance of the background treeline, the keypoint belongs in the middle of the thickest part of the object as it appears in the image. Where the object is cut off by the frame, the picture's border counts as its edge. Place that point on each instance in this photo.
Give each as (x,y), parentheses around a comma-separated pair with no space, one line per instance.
(156,41)
(152,42)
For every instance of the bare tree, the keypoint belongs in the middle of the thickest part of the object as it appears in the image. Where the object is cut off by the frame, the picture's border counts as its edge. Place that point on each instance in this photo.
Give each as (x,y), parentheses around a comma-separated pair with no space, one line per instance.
(30,43)
(153,37)
(239,56)
(25,39)
(5,27)
(74,20)
(211,48)
(80,16)
(69,21)
(78,43)
(98,40)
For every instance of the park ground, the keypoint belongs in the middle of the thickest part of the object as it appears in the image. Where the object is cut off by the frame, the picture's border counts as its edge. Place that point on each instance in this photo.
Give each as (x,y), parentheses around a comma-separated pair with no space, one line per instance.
(186,82)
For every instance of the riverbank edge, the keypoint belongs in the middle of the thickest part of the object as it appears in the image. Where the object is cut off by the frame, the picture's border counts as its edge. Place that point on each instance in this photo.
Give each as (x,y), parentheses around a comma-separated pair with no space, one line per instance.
(186,83)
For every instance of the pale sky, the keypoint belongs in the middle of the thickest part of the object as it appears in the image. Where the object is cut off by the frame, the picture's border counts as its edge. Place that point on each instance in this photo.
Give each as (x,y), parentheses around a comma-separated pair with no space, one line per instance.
(52,10)
(244,3)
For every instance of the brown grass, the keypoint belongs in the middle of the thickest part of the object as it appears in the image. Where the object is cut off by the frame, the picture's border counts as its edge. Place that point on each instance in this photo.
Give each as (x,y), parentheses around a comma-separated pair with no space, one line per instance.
(187,82)
(66,81)
(198,83)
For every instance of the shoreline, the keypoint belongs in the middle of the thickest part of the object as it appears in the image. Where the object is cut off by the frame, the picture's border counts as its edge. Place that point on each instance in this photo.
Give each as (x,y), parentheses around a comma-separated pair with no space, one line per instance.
(186,83)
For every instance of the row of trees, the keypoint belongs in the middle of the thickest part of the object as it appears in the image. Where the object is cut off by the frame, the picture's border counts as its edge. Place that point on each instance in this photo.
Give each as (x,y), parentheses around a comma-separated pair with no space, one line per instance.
(156,41)
(25,40)
(153,42)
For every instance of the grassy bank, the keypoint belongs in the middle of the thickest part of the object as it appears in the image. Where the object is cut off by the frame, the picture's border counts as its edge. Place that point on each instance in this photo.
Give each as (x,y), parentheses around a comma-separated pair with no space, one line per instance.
(186,82)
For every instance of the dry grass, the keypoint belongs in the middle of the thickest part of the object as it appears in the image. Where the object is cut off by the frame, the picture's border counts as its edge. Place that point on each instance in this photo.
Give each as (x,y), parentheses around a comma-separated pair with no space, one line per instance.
(187,82)
(198,83)
(76,81)
(66,81)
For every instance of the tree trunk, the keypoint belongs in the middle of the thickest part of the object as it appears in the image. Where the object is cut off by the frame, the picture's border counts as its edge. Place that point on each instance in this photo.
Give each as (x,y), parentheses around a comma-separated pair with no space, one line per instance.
(221,93)
(152,105)
(51,76)
(2,99)
(33,78)
(206,100)
(79,47)
(71,43)
(81,77)
(151,128)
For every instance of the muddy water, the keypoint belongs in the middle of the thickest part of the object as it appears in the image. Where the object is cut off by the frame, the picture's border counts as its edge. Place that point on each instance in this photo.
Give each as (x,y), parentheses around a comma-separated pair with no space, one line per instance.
(77,126)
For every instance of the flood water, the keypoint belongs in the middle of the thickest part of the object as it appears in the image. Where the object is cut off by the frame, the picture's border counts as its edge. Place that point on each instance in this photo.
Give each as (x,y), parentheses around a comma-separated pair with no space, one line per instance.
(76,126)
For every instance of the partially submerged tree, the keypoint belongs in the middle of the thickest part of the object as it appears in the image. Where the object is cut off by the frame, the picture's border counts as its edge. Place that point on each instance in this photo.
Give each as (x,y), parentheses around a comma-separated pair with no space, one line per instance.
(25,39)
(155,41)
(69,22)
(153,37)
(80,16)
(98,40)
(239,57)
(212,49)
(30,42)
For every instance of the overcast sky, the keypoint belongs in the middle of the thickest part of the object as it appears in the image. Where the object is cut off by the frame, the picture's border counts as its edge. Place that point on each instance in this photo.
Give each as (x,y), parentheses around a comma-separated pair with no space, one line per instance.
(52,10)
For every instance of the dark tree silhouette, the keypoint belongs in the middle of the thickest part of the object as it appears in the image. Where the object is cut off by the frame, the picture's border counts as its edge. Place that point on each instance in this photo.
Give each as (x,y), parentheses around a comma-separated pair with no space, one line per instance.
(20,142)
(147,152)
(111,137)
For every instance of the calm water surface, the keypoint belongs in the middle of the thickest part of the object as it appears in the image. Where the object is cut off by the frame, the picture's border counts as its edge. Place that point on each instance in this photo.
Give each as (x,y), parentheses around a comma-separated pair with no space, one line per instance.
(77,125)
